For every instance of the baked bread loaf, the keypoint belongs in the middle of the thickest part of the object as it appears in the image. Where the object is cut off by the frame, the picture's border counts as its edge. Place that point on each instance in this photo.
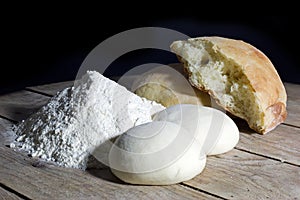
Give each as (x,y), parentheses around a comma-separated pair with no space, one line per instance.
(238,76)
(169,86)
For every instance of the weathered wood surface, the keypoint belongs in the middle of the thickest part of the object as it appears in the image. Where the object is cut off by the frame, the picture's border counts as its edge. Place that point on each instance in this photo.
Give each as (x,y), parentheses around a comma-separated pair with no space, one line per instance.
(240,175)
(38,180)
(293,90)
(252,171)
(6,135)
(282,143)
(5,195)
(293,108)
(51,89)
(19,105)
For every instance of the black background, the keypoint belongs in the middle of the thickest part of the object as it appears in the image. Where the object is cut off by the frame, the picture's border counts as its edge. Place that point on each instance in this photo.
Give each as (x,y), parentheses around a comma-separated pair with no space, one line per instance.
(41,48)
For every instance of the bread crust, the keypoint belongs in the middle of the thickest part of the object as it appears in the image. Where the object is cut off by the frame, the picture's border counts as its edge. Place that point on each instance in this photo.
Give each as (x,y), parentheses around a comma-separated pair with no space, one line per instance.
(169,88)
(262,75)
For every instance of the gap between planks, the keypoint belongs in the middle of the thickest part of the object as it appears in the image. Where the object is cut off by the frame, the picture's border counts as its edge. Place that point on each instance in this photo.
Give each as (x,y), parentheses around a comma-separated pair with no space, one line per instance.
(240,175)
(10,193)
(265,156)
(291,125)
(38,92)
(6,118)
(200,190)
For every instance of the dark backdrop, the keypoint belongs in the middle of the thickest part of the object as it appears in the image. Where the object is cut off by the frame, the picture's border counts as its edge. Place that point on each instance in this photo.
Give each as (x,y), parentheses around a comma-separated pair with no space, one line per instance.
(44,48)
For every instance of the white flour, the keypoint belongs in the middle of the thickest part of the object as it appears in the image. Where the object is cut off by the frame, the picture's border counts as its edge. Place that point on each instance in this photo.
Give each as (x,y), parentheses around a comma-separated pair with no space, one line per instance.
(78,119)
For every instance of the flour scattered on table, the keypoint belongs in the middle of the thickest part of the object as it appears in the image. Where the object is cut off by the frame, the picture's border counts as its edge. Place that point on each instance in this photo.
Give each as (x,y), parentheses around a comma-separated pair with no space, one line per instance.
(80,118)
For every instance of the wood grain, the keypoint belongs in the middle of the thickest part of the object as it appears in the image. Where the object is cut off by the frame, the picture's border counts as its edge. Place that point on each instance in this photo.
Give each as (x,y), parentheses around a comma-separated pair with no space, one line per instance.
(293,90)
(4,125)
(51,89)
(4,194)
(37,180)
(293,104)
(19,105)
(293,109)
(240,175)
(6,135)
(278,144)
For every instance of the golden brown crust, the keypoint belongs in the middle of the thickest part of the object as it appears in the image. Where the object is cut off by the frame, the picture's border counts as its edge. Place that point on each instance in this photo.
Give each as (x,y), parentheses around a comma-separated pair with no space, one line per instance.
(256,66)
(263,77)
(279,113)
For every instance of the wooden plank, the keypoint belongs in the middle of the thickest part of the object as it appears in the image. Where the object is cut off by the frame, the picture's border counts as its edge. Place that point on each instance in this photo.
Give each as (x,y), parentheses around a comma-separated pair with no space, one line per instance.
(6,135)
(293,109)
(37,180)
(51,89)
(240,175)
(4,194)
(293,104)
(19,105)
(4,125)
(282,143)
(293,90)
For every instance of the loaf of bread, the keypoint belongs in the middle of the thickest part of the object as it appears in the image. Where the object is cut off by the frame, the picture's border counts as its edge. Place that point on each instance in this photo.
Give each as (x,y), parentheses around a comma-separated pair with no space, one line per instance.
(238,76)
(168,86)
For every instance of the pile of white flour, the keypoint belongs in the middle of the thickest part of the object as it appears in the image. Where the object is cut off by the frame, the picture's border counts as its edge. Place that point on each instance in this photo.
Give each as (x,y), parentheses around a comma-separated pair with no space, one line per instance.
(80,118)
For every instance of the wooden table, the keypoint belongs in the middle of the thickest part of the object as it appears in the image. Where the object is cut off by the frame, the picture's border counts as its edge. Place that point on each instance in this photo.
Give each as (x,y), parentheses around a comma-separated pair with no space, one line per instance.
(260,167)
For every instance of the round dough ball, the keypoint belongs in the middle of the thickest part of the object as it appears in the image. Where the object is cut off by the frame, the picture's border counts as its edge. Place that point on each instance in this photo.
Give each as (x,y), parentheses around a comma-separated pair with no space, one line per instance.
(168,86)
(156,153)
(213,129)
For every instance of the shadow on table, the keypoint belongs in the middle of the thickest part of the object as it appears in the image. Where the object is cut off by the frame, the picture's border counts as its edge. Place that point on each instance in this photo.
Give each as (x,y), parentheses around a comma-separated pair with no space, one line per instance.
(243,126)
(17,113)
(104,174)
(97,164)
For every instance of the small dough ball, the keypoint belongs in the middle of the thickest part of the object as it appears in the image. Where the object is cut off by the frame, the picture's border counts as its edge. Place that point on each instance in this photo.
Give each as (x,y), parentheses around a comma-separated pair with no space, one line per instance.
(214,130)
(156,153)
(168,86)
